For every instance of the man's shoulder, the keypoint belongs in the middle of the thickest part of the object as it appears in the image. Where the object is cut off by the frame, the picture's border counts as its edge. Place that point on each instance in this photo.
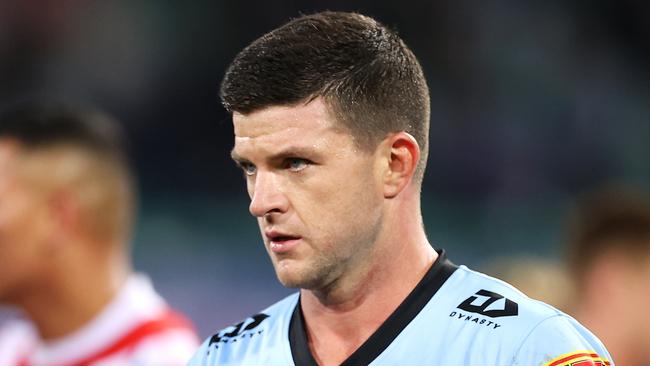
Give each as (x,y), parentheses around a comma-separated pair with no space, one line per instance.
(481,294)
(149,331)
(497,321)
(17,337)
(480,307)
(261,338)
(168,339)
(262,324)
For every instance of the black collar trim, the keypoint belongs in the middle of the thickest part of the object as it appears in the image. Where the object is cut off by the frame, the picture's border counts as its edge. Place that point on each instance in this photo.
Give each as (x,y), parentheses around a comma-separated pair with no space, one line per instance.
(435,277)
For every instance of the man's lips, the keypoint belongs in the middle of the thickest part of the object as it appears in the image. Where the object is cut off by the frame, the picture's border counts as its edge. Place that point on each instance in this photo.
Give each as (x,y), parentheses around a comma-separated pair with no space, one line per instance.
(280,242)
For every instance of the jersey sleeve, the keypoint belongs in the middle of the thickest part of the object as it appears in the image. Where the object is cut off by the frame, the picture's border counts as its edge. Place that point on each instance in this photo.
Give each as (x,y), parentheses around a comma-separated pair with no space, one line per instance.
(16,340)
(172,348)
(561,341)
(200,358)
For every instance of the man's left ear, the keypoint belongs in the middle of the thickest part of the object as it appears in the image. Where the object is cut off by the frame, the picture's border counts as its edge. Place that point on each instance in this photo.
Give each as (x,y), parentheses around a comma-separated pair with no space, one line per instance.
(402,153)
(64,209)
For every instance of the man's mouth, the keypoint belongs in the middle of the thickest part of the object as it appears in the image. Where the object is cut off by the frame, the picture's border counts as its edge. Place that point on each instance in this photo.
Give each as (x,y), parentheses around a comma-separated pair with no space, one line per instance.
(282,238)
(282,242)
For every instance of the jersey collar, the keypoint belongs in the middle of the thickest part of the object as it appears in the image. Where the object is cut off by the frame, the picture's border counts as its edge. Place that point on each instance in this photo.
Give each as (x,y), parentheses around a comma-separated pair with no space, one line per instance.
(136,302)
(435,277)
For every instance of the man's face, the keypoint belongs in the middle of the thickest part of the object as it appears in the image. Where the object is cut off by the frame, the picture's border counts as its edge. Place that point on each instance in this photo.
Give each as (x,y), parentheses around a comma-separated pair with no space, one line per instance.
(317,196)
(23,218)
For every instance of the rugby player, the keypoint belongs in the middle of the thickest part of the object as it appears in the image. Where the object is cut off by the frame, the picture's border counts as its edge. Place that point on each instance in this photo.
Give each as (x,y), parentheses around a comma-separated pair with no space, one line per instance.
(609,261)
(331,120)
(66,210)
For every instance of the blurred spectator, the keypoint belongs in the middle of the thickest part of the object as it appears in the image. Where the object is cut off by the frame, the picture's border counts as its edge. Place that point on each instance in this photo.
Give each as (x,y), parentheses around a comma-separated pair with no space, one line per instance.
(609,259)
(540,278)
(65,217)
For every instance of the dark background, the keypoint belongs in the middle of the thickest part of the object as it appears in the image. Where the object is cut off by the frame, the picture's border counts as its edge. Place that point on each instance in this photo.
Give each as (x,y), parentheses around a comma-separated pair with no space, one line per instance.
(532,103)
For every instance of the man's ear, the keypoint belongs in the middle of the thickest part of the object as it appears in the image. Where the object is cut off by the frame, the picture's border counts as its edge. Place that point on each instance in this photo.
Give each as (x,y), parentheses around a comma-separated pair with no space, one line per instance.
(402,153)
(64,212)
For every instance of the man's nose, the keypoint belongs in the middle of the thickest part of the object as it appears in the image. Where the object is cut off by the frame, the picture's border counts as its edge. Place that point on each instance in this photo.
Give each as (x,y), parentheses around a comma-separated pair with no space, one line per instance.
(267,195)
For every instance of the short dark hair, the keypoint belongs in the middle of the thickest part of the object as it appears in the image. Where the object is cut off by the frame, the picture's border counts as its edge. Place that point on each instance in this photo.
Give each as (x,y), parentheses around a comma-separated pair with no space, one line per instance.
(609,218)
(366,74)
(37,126)
(37,123)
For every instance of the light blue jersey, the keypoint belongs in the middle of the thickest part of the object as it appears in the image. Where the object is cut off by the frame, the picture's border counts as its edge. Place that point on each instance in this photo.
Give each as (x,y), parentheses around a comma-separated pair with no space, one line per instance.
(453,317)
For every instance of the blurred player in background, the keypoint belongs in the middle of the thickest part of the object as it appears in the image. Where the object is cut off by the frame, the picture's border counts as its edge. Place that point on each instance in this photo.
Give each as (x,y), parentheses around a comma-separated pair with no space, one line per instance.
(609,259)
(66,211)
(543,279)
(331,121)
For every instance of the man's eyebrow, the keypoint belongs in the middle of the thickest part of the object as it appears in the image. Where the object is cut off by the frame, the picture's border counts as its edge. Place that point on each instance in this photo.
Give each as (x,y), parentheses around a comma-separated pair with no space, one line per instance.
(293,152)
(289,152)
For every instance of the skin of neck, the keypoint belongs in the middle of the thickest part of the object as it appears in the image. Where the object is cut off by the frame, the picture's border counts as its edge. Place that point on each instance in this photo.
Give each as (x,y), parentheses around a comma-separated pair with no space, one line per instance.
(80,282)
(346,313)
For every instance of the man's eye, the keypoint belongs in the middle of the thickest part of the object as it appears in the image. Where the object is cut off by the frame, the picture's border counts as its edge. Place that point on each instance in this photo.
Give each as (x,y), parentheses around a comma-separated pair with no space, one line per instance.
(297,164)
(248,168)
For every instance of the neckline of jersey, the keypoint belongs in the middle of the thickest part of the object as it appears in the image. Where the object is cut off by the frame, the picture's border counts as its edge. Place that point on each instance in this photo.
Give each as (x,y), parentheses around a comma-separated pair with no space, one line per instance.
(435,277)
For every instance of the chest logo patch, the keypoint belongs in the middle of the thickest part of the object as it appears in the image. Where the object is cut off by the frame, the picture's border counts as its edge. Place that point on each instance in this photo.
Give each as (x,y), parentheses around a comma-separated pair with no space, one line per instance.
(239,331)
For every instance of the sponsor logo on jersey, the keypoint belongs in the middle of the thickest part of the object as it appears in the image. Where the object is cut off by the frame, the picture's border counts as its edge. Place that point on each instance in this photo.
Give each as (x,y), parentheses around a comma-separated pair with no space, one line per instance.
(580,358)
(474,319)
(486,304)
(244,330)
(490,304)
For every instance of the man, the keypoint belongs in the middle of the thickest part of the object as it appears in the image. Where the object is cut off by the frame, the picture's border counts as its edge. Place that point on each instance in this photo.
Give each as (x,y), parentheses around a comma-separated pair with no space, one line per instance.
(543,279)
(331,115)
(609,259)
(66,207)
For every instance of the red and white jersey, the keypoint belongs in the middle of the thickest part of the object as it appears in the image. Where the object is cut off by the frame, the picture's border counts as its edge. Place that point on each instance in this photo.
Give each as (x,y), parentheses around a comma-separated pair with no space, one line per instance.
(136,328)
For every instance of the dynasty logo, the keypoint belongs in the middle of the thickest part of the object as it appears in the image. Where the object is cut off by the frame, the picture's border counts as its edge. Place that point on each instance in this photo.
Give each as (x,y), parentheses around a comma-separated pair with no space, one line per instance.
(239,331)
(486,303)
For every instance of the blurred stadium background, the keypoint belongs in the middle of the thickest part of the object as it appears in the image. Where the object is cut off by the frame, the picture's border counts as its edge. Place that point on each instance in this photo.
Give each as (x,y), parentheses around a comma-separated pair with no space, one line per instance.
(532,104)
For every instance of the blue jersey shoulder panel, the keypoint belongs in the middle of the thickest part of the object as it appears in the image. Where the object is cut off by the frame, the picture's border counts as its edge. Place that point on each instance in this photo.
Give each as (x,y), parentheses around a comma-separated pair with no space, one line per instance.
(259,340)
(475,319)
(471,320)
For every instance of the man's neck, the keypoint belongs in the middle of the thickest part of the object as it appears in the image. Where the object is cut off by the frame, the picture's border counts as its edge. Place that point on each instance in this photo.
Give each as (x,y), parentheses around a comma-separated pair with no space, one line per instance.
(346,315)
(73,300)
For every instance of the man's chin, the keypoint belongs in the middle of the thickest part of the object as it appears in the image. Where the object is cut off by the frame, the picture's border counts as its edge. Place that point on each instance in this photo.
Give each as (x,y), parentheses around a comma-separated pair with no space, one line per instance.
(290,284)
(294,278)
(290,280)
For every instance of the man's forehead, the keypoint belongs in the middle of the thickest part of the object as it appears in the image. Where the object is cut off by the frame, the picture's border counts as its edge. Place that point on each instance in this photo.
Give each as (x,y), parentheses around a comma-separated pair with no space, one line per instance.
(291,141)
(314,115)
(278,129)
